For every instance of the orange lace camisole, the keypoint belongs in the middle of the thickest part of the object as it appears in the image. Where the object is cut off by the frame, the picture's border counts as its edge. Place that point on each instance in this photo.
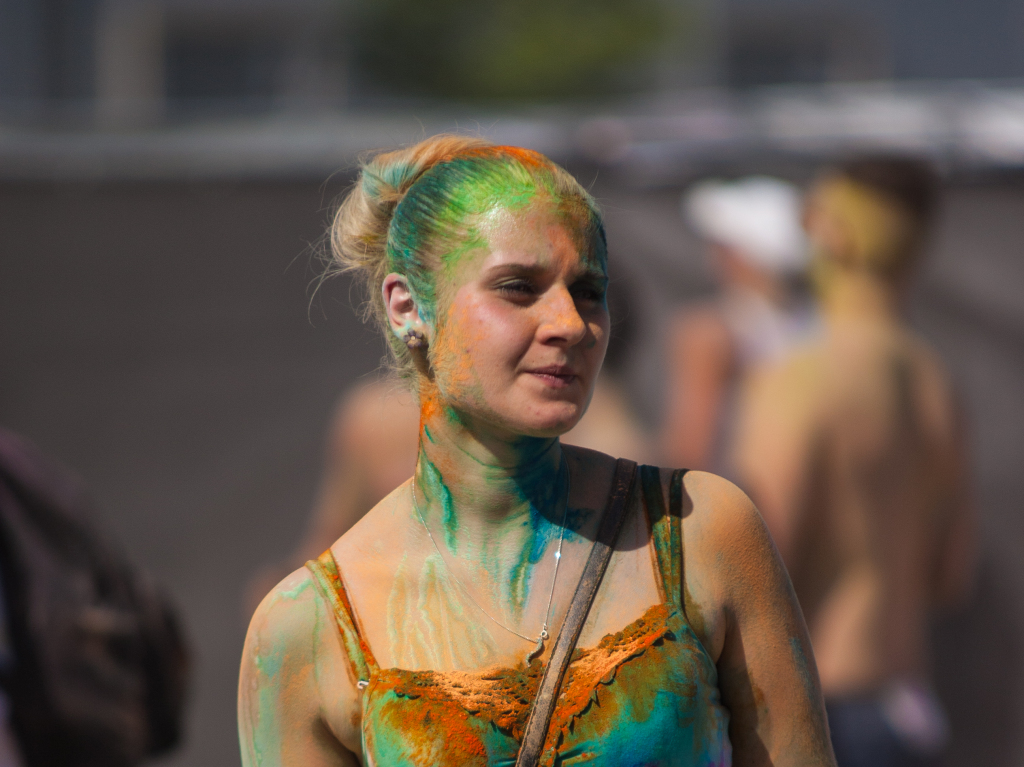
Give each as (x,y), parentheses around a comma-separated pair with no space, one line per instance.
(647,695)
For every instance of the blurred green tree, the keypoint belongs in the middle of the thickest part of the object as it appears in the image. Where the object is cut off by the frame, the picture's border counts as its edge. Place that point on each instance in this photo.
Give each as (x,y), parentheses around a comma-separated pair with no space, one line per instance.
(509,49)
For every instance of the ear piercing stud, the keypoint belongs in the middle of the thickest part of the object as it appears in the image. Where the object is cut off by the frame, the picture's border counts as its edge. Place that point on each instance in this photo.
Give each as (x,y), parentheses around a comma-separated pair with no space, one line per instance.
(414,339)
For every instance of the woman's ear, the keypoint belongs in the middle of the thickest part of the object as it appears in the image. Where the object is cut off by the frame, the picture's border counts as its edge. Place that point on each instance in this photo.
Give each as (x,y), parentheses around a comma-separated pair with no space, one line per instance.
(403,311)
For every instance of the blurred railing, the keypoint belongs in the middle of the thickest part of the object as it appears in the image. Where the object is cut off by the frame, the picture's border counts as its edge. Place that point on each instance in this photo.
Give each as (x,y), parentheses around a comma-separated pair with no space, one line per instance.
(965,126)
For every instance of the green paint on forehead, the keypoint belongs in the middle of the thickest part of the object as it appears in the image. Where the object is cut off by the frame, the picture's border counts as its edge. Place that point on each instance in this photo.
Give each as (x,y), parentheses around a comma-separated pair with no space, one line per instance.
(439,214)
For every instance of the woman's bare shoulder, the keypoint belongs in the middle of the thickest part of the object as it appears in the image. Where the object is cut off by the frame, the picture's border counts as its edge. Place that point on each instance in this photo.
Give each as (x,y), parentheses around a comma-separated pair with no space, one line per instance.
(294,627)
(730,560)
(721,511)
(707,493)
(724,529)
(285,616)
(279,648)
(292,653)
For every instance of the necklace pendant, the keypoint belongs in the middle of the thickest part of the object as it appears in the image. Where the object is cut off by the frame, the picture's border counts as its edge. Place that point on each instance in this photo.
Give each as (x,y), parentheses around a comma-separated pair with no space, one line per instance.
(538,650)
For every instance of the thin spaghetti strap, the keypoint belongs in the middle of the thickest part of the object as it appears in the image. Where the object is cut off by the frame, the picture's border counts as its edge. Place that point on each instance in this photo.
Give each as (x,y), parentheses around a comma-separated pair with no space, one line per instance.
(328,581)
(665,533)
(675,513)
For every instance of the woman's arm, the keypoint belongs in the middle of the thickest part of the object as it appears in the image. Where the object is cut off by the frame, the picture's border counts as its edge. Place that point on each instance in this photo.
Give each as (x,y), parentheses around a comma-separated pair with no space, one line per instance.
(766,668)
(291,648)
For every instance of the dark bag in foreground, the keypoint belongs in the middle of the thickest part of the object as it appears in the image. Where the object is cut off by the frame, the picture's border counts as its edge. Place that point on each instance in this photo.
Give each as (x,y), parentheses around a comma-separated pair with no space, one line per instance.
(100,664)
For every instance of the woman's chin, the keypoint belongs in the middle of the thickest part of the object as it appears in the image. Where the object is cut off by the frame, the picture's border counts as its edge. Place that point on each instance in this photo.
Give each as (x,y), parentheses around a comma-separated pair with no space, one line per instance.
(531,418)
(553,422)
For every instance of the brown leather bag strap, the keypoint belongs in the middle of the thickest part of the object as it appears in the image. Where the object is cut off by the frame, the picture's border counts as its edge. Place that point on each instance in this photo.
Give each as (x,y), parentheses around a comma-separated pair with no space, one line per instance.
(544,704)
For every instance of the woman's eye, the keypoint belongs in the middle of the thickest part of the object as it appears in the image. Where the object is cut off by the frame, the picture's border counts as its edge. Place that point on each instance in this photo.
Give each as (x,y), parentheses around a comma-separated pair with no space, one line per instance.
(588,293)
(517,288)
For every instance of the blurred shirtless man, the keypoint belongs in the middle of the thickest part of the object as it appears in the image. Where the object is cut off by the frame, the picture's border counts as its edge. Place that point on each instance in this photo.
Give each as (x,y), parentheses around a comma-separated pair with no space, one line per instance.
(852,450)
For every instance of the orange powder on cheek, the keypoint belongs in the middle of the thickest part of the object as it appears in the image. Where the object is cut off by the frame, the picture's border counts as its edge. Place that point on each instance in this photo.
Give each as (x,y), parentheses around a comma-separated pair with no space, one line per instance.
(452,358)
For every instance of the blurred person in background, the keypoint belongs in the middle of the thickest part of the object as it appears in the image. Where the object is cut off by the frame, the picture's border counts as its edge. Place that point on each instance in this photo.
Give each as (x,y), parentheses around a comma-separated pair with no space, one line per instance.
(757,249)
(371,445)
(853,451)
(93,663)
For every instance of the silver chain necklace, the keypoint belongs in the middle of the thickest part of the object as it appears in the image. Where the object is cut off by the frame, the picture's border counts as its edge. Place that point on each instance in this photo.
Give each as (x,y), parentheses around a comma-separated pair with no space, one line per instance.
(543,636)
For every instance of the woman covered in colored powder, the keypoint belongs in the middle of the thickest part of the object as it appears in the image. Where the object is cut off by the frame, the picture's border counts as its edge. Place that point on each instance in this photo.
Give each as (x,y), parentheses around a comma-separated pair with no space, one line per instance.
(418,638)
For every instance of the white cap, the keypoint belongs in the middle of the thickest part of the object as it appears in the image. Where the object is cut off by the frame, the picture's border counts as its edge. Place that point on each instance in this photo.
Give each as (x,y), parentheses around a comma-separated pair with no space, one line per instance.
(758,217)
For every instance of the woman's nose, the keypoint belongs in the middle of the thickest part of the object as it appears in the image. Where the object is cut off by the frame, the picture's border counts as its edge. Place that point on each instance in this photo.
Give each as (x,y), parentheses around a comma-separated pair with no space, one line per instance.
(561,321)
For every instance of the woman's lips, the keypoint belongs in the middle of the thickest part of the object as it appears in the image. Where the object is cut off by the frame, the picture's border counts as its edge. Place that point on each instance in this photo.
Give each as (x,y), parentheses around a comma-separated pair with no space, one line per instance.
(556,376)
